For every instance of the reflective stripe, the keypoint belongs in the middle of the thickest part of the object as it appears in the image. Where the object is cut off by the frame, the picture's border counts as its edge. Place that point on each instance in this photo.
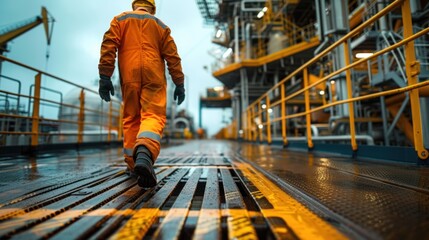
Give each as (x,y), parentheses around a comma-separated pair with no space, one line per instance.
(143,16)
(128,151)
(150,135)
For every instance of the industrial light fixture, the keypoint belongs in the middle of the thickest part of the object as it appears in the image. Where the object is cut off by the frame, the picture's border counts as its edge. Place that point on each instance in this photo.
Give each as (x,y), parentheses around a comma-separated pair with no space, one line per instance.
(363,55)
(241,132)
(218,33)
(264,106)
(270,110)
(332,82)
(227,53)
(260,126)
(262,12)
(322,92)
(218,89)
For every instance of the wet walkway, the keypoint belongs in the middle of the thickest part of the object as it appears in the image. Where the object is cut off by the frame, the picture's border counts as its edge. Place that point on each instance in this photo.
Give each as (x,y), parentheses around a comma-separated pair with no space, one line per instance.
(213,189)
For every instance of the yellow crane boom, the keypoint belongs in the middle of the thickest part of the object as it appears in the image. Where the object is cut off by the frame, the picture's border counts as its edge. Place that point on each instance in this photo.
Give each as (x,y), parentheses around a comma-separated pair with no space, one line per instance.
(20,29)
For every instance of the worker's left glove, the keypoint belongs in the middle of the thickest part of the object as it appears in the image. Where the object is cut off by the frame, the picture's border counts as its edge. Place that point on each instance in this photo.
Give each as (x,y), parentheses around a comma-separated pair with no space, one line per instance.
(179,93)
(105,88)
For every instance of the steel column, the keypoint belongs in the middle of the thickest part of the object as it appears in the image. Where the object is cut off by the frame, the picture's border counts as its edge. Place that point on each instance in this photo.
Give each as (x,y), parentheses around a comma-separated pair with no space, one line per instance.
(268,119)
(307,110)
(413,70)
(285,142)
(36,110)
(81,117)
(350,96)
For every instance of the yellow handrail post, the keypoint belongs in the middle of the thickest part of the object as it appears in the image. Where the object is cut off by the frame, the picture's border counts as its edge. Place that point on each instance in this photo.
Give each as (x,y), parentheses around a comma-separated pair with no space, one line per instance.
(261,138)
(413,69)
(349,96)
(269,140)
(109,135)
(36,110)
(81,120)
(249,126)
(285,142)
(307,109)
(120,123)
(256,127)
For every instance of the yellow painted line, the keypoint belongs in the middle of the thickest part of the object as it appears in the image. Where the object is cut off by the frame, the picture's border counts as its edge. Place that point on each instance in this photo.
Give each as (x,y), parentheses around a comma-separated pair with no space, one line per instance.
(239,225)
(304,223)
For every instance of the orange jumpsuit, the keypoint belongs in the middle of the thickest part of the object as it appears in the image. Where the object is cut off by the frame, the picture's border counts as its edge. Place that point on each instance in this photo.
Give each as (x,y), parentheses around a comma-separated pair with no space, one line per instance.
(143,44)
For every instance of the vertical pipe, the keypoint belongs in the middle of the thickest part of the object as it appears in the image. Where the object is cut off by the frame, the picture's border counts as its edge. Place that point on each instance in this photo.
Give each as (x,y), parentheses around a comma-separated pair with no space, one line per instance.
(248,41)
(36,109)
(307,109)
(120,131)
(247,136)
(244,97)
(268,119)
(349,96)
(340,26)
(384,118)
(381,4)
(173,116)
(249,124)
(256,127)
(260,126)
(109,136)
(81,119)
(200,115)
(283,95)
(414,6)
(236,39)
(413,70)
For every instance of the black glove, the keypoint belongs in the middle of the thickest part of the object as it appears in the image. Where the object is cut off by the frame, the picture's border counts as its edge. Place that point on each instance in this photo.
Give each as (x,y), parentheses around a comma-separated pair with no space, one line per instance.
(105,87)
(179,93)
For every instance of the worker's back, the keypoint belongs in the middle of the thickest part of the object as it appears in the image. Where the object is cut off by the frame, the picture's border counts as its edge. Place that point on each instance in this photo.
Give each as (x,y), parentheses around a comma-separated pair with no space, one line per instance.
(140,32)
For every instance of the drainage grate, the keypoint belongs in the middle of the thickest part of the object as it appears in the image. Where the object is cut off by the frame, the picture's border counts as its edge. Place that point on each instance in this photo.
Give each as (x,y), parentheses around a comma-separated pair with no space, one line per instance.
(197,196)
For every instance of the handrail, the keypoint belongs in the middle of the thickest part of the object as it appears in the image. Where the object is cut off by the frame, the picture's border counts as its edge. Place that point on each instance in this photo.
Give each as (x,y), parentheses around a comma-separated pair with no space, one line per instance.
(412,70)
(3,58)
(33,125)
(337,43)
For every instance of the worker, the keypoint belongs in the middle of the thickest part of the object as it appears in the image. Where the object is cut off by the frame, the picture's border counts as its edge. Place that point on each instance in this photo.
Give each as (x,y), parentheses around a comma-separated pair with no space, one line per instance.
(144,44)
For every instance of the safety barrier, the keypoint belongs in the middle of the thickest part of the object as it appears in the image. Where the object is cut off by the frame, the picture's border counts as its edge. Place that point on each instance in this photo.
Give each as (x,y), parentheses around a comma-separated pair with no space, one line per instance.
(84,117)
(258,114)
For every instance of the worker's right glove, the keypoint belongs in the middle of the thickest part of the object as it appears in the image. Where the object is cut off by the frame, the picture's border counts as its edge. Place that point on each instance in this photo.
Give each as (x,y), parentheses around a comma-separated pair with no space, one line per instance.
(179,93)
(105,88)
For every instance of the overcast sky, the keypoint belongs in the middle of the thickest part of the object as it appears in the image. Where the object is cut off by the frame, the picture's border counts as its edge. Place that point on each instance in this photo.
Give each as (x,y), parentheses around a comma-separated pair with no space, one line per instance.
(78,31)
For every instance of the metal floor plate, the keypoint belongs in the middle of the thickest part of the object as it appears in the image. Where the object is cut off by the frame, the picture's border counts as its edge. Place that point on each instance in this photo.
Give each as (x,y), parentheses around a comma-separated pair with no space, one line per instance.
(213,190)
(377,199)
(200,194)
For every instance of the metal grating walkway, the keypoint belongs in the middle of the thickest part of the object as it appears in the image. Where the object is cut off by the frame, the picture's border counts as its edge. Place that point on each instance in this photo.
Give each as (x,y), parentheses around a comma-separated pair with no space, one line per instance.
(213,190)
(200,195)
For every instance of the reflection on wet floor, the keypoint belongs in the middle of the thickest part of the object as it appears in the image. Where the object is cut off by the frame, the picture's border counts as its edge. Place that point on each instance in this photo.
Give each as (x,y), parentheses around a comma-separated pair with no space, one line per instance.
(378,197)
(24,169)
(361,199)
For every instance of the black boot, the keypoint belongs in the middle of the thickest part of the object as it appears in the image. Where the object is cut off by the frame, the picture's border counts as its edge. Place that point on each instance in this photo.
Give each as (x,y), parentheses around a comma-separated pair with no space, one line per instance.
(144,168)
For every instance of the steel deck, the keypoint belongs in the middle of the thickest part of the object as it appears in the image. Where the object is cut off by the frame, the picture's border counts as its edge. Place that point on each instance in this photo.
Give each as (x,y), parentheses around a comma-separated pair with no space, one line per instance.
(212,190)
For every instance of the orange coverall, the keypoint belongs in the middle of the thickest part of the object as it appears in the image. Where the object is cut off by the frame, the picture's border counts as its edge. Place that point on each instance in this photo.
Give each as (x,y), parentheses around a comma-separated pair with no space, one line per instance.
(143,44)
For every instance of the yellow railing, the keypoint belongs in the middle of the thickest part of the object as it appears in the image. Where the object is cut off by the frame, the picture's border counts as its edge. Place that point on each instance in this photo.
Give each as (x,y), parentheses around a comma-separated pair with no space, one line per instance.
(294,34)
(257,114)
(108,114)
